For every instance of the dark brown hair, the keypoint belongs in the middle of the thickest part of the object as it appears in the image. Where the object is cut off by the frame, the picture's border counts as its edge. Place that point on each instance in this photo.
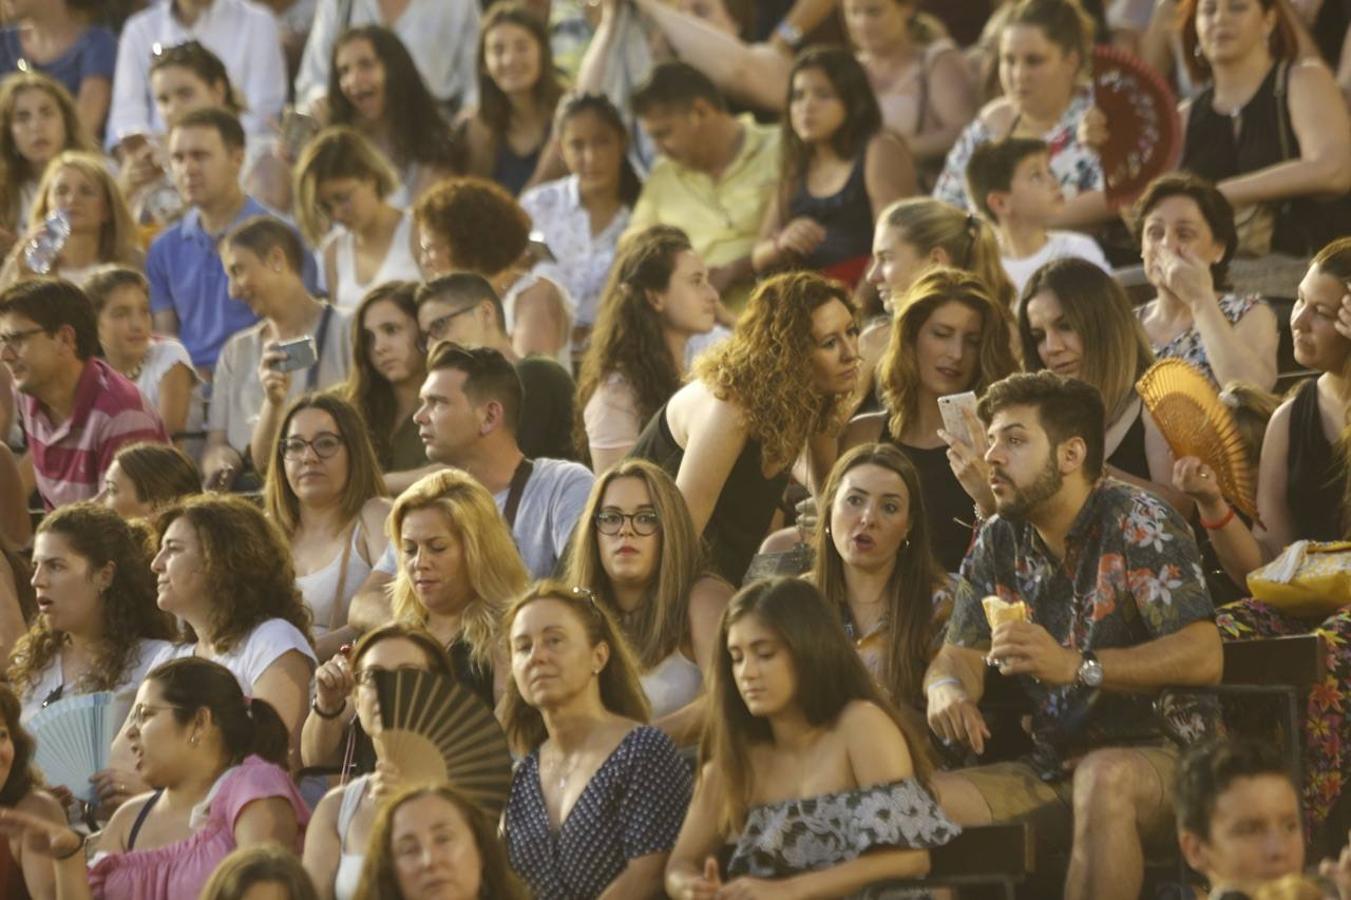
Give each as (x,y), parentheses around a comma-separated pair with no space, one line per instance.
(488,376)
(200,61)
(23,774)
(248,726)
(991,168)
(1214,208)
(161,473)
(1066,407)
(1283,44)
(366,389)
(53,303)
(259,864)
(222,121)
(494,109)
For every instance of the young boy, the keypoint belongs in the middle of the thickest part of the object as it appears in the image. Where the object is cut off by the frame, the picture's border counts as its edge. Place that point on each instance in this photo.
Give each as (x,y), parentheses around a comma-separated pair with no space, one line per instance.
(1012,184)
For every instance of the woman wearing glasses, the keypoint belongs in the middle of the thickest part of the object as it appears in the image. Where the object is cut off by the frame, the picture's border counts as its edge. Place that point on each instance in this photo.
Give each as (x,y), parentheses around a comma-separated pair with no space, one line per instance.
(325,492)
(196,738)
(636,549)
(598,798)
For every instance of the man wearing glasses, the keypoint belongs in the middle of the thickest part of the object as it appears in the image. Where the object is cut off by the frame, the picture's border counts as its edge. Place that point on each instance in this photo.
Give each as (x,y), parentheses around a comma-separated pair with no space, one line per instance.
(76,410)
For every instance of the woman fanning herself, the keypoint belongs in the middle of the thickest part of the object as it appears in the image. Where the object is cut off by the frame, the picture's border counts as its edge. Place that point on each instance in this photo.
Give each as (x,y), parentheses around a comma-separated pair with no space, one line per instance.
(780,384)
(658,298)
(597,800)
(839,168)
(1186,232)
(216,761)
(325,492)
(637,550)
(386,372)
(950,337)
(507,136)
(342,180)
(875,566)
(25,863)
(374,87)
(817,783)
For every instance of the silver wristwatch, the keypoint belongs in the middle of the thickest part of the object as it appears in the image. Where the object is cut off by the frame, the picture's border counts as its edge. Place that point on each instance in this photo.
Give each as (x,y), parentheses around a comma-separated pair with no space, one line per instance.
(1090,671)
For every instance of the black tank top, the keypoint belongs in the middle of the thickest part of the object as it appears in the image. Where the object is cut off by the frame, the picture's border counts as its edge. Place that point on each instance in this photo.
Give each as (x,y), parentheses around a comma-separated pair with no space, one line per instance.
(745,505)
(1129,455)
(948,509)
(1314,481)
(846,215)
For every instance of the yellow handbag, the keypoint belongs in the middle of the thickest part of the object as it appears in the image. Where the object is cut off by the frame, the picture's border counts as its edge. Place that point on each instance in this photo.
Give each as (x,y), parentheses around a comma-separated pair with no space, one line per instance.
(1309,580)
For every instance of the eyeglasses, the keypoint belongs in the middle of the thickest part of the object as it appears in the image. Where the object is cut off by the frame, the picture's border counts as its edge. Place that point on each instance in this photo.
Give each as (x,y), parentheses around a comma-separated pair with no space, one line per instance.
(12,340)
(611,522)
(366,677)
(324,446)
(436,329)
(142,711)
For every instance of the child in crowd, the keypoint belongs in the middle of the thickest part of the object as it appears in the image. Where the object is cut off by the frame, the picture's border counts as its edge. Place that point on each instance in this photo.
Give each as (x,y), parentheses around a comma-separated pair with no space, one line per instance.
(1012,184)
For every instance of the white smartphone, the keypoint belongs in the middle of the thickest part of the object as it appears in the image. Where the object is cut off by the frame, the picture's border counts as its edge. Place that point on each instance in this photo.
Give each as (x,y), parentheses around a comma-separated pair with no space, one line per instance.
(953,409)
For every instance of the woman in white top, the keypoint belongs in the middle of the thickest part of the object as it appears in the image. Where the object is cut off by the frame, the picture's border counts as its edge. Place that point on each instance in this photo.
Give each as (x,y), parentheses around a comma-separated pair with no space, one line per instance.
(342,180)
(637,550)
(325,492)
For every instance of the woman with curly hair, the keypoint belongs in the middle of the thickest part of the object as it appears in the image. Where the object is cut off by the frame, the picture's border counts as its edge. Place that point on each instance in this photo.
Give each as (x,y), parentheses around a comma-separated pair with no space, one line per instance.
(473,225)
(458,570)
(453,838)
(374,87)
(657,298)
(25,865)
(636,549)
(780,384)
(507,137)
(387,370)
(950,337)
(144,478)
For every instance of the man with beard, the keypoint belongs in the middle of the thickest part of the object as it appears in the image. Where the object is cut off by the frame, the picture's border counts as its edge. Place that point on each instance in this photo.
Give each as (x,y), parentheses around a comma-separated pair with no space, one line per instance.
(1117,608)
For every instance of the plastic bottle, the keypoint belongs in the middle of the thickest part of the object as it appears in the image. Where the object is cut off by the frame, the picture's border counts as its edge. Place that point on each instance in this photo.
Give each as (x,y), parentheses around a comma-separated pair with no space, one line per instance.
(46,246)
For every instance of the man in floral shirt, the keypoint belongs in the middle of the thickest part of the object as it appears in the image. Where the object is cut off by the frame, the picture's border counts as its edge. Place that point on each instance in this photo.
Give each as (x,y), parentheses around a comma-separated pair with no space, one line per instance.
(1117,609)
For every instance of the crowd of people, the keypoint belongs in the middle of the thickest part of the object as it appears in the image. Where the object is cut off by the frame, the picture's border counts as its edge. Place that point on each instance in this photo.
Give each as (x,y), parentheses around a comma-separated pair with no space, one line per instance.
(691,384)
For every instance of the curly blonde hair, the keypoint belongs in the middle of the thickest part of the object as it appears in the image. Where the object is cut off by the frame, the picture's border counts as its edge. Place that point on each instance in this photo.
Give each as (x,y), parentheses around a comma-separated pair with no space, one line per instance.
(761,366)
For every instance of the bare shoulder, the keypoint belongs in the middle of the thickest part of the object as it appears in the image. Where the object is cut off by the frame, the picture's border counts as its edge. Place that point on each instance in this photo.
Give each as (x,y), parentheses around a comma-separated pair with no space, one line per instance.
(886,145)
(374,513)
(998,114)
(710,595)
(863,719)
(326,813)
(113,837)
(696,403)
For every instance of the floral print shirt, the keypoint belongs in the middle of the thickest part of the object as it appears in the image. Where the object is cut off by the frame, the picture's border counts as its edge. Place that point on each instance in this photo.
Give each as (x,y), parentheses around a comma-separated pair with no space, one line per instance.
(1131,574)
(1076,166)
(1188,347)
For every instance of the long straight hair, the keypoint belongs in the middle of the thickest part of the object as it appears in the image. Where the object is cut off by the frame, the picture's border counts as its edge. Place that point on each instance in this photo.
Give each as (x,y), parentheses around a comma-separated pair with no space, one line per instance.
(494,109)
(365,388)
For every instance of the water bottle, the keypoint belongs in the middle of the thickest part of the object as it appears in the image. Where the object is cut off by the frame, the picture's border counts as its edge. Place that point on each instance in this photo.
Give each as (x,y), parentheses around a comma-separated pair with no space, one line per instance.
(163,205)
(46,246)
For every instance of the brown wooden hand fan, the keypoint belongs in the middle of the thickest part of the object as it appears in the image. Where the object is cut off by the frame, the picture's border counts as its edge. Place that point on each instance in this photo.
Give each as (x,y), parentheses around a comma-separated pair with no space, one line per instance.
(1145,130)
(1196,422)
(435,730)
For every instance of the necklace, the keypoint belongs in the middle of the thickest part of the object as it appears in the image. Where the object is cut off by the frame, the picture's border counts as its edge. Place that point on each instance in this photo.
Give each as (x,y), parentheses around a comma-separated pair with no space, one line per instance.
(565,776)
(135,371)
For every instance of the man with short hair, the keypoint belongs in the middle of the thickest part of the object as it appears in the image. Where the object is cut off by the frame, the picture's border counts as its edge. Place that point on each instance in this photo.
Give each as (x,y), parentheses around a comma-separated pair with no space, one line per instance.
(76,410)
(716,177)
(1116,608)
(189,293)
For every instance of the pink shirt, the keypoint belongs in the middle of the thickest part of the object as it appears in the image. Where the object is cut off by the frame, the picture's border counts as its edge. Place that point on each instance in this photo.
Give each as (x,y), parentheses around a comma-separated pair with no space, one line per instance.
(179,871)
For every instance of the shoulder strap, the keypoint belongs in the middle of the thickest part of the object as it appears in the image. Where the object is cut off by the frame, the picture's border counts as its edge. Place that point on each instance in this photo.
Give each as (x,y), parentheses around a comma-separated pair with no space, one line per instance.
(320,335)
(140,819)
(518,480)
(1283,107)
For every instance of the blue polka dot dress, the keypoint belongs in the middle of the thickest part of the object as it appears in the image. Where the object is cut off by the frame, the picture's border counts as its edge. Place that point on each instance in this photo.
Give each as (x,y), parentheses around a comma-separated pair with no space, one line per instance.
(633,805)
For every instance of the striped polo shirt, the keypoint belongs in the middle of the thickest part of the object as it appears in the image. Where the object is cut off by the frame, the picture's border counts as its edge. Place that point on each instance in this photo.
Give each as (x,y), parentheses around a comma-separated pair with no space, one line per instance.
(69,459)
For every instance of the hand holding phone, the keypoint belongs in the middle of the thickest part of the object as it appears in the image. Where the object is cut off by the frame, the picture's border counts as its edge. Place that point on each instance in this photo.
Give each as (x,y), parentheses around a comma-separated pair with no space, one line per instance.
(298,354)
(953,408)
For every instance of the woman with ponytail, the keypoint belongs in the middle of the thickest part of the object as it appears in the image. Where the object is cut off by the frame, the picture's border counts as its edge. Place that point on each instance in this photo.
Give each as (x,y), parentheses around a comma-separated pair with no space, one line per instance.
(215,760)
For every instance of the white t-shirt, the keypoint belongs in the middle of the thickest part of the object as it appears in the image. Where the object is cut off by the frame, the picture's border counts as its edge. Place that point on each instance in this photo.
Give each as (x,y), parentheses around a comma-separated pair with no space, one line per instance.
(251,657)
(149,655)
(160,357)
(1059,245)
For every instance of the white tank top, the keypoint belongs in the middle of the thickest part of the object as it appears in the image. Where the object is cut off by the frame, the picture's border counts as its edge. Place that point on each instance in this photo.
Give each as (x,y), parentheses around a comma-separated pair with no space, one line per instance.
(320,588)
(671,684)
(398,264)
(349,864)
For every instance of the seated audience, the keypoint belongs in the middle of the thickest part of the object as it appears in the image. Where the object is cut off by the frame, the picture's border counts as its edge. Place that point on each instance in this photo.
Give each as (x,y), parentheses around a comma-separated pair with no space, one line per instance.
(838,169)
(160,366)
(716,177)
(598,796)
(637,551)
(18,602)
(657,299)
(38,121)
(950,337)
(254,380)
(25,863)
(1011,183)
(343,185)
(1044,50)
(801,743)
(58,38)
(388,367)
(189,292)
(325,493)
(196,738)
(99,628)
(244,35)
(464,308)
(248,872)
(436,828)
(875,566)
(1138,618)
(472,225)
(580,217)
(1187,237)
(441,39)
(508,137)
(337,838)
(374,88)
(779,385)
(101,229)
(75,409)
(143,478)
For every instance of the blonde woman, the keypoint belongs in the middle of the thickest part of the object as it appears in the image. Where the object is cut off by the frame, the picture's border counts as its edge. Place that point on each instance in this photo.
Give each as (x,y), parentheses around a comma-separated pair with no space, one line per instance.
(636,549)
(101,227)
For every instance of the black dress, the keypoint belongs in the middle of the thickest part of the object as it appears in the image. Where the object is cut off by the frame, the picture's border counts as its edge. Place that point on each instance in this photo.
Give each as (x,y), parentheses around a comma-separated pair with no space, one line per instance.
(847,218)
(745,505)
(1314,481)
(947,506)
(1129,455)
